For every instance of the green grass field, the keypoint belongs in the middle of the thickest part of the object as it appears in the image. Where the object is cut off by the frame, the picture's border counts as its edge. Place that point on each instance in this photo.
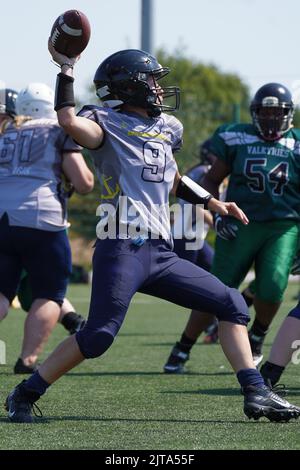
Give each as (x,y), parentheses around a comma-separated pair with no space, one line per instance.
(124,401)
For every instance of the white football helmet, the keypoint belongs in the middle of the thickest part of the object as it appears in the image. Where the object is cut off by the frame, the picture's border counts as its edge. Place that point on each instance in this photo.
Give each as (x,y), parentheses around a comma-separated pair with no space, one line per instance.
(37,101)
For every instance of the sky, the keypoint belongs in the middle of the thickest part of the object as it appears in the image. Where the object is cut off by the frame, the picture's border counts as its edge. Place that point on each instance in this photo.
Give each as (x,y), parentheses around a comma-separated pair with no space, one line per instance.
(256,39)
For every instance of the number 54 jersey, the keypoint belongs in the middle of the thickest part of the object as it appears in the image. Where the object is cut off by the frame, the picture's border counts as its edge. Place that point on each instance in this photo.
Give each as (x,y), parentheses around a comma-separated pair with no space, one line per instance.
(264,176)
(136,161)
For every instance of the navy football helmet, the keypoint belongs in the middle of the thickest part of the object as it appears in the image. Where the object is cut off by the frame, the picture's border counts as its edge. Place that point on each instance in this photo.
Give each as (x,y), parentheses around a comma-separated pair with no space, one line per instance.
(272,111)
(125,77)
(8,101)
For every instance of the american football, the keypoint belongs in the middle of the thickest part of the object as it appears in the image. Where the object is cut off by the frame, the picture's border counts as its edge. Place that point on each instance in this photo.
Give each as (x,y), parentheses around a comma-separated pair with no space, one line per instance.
(70,33)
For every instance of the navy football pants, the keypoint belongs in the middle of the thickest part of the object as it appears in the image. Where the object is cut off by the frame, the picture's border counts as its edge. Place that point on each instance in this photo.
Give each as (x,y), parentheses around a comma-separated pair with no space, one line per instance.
(203,257)
(120,269)
(46,256)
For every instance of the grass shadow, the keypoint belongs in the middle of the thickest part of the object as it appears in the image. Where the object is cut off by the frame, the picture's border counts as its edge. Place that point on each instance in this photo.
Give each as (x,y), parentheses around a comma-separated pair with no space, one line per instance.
(143,373)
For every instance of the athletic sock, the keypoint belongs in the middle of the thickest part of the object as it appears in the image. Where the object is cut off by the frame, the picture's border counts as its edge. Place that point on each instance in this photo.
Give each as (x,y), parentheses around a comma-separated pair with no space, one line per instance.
(271,373)
(36,383)
(185,344)
(248,377)
(70,321)
(258,330)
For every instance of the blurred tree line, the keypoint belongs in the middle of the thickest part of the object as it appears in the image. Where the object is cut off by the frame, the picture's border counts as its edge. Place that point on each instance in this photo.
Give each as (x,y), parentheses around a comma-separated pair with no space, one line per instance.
(209,98)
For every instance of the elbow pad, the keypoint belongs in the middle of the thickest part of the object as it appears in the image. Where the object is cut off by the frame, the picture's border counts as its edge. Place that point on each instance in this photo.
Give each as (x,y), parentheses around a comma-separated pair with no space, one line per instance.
(192,192)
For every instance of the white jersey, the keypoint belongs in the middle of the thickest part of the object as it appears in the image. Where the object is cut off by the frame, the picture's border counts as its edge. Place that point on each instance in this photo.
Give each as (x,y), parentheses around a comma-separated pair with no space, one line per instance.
(136,162)
(30,174)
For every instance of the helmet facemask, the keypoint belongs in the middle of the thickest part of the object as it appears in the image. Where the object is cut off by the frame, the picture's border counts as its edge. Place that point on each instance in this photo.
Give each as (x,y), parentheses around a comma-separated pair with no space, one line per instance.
(8,99)
(272,118)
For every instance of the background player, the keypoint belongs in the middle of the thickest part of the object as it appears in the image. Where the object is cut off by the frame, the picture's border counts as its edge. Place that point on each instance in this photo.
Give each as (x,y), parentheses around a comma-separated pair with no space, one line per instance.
(263,162)
(68,317)
(286,344)
(33,212)
(203,257)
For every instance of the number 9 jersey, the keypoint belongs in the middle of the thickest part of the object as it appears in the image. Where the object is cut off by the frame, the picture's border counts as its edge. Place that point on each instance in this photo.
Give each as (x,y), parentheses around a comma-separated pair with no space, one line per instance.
(136,161)
(264,175)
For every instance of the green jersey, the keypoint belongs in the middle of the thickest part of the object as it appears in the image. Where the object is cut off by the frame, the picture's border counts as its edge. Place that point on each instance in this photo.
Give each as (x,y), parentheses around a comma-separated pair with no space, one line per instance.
(264,176)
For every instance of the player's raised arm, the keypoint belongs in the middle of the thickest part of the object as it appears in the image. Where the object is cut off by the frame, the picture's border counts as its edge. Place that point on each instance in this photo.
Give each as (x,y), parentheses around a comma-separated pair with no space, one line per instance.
(185,188)
(86,132)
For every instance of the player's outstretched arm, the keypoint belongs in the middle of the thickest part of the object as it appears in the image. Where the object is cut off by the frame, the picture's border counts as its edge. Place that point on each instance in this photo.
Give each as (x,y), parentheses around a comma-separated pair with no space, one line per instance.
(227,208)
(186,189)
(86,132)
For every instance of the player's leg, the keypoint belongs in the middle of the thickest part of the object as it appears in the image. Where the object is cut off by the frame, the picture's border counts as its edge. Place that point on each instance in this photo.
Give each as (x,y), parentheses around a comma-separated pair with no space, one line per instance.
(249,293)
(196,324)
(10,267)
(69,318)
(40,321)
(231,270)
(284,346)
(260,326)
(47,259)
(188,285)
(205,261)
(119,268)
(181,350)
(272,267)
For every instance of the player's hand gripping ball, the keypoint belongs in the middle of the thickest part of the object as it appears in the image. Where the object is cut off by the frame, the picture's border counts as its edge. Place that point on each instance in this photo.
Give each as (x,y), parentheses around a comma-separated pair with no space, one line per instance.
(70,33)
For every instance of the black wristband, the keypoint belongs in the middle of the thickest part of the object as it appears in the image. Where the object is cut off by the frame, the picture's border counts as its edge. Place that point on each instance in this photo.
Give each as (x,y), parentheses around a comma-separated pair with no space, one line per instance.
(64,92)
(192,192)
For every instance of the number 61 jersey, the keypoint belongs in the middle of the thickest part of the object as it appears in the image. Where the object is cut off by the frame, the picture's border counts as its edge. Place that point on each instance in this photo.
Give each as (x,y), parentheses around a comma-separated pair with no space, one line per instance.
(31,174)
(136,161)
(264,175)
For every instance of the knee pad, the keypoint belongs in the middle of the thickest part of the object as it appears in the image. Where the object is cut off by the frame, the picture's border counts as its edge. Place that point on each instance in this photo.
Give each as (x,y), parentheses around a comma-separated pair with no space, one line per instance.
(93,343)
(235,309)
(295,312)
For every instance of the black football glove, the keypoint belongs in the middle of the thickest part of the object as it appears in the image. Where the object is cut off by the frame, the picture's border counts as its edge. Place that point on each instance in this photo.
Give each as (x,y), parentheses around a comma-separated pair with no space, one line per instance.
(225,229)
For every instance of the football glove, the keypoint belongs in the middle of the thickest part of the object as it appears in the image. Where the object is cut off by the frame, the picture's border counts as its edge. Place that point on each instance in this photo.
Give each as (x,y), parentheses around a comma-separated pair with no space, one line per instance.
(295,269)
(224,228)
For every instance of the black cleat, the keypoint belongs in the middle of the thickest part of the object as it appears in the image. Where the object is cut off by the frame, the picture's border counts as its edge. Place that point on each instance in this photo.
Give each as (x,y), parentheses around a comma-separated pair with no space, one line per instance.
(176,361)
(261,401)
(20,404)
(21,368)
